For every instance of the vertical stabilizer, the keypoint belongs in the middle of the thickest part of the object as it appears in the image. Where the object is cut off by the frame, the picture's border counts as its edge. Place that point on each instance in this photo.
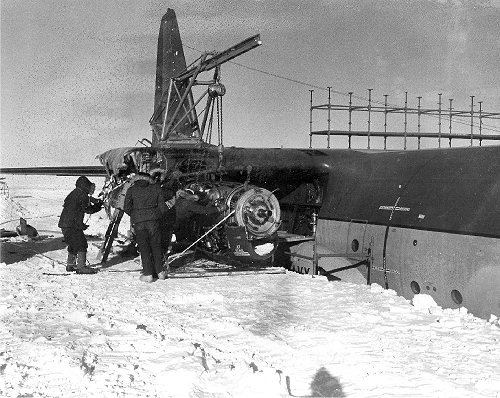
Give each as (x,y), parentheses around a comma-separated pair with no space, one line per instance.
(170,63)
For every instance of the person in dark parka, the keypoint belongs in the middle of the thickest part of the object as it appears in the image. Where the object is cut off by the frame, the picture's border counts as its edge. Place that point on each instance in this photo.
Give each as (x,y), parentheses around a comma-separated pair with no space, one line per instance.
(77,203)
(145,205)
(167,221)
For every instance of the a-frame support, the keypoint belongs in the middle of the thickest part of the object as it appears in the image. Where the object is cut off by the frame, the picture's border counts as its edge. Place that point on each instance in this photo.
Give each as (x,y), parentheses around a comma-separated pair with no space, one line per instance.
(178,105)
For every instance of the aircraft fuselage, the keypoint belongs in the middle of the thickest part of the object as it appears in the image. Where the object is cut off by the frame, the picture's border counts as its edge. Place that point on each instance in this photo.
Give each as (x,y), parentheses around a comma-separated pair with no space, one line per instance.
(429,218)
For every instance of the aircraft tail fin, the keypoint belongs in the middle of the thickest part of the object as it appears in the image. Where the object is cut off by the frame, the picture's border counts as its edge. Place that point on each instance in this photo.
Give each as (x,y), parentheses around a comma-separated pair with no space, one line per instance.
(169,64)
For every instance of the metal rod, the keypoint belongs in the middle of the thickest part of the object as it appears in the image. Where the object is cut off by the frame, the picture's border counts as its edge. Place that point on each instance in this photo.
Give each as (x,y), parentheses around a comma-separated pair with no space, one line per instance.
(167,107)
(418,126)
(401,134)
(451,116)
(439,122)
(369,113)
(401,109)
(221,57)
(350,116)
(329,113)
(187,92)
(406,117)
(311,118)
(206,233)
(385,120)
(471,120)
(480,123)
(189,110)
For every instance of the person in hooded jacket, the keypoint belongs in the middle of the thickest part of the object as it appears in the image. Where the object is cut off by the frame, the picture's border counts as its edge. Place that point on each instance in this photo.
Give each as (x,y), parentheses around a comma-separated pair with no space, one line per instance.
(77,203)
(167,221)
(145,205)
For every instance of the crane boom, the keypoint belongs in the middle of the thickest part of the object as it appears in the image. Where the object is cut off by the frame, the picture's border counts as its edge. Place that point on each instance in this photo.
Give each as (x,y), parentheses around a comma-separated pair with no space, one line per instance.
(221,57)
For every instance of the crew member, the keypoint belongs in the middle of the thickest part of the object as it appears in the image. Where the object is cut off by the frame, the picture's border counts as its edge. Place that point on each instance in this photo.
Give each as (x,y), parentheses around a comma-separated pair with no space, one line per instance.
(77,203)
(145,205)
(167,221)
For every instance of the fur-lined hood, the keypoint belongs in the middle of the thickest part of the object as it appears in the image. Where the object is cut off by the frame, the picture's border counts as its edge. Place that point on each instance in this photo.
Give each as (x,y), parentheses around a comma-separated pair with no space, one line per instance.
(141,177)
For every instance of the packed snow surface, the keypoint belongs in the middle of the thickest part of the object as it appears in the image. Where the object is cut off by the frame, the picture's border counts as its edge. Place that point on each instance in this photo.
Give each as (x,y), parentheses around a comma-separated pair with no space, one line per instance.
(261,335)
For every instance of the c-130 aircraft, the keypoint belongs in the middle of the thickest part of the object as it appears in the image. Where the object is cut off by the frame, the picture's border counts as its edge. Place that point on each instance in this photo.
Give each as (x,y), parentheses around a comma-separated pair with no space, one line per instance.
(416,221)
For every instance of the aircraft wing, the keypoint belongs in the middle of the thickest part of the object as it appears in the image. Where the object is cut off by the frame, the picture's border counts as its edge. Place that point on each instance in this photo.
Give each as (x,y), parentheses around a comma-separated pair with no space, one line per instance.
(112,161)
(57,170)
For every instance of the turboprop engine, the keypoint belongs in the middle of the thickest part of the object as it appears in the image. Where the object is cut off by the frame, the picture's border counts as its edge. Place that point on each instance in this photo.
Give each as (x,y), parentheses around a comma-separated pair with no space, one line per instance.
(253,218)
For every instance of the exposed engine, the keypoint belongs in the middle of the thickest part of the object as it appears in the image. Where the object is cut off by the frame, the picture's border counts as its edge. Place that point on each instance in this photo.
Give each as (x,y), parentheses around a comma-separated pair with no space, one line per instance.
(251,220)
(246,225)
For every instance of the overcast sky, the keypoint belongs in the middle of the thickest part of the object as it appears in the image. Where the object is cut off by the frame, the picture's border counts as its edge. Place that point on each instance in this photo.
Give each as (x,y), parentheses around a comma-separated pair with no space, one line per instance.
(77,78)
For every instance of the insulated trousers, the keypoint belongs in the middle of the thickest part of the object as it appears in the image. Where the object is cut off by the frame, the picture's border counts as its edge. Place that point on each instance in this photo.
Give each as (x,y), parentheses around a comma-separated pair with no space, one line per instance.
(148,237)
(75,239)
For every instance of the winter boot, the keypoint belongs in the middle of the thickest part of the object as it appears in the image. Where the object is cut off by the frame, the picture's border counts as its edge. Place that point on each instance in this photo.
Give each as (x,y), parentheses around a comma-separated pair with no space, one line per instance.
(81,264)
(71,262)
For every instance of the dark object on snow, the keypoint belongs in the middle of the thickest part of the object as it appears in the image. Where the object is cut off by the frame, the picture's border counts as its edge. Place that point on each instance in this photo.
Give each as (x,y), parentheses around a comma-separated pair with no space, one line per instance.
(5,233)
(24,229)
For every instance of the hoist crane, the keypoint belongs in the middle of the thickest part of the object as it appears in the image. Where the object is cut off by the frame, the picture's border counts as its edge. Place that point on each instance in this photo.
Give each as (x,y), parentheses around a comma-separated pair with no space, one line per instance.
(174,119)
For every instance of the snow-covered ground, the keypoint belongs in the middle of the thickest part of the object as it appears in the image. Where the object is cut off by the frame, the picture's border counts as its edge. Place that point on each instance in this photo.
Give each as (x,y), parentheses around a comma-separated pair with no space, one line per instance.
(265,335)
